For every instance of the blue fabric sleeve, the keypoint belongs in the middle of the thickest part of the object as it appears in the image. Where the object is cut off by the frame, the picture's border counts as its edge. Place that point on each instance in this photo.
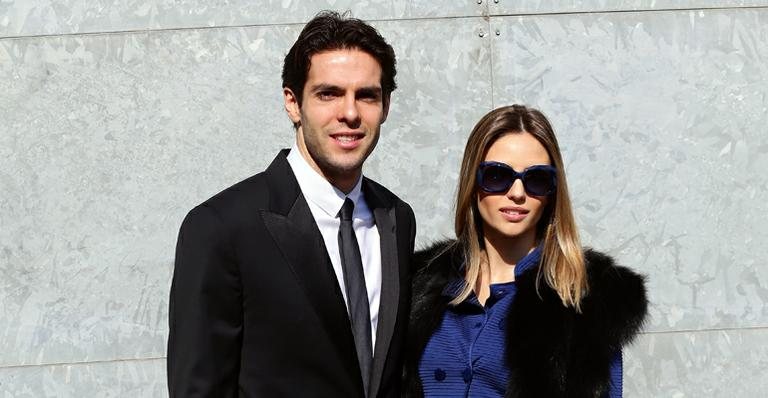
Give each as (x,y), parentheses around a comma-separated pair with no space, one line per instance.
(615,387)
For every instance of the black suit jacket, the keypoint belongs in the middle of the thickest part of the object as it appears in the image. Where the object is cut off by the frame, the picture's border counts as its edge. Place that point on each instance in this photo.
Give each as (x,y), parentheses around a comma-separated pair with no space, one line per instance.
(255,306)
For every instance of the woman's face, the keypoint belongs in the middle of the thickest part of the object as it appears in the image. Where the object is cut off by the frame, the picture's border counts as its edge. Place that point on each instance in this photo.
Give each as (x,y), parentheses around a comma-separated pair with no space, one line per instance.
(513,214)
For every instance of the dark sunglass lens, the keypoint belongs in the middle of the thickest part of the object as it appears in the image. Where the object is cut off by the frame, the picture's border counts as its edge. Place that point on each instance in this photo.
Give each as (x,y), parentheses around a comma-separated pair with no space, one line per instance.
(496,179)
(539,182)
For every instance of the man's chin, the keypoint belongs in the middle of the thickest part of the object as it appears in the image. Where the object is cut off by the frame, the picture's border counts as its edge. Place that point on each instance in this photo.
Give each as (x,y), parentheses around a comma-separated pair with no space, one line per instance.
(346,169)
(341,166)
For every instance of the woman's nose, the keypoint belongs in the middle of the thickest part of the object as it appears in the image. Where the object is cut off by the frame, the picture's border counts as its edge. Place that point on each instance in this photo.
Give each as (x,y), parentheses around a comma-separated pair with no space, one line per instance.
(517,191)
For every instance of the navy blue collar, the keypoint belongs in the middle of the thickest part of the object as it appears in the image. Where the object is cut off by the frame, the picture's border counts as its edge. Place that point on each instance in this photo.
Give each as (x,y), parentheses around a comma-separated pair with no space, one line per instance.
(530,261)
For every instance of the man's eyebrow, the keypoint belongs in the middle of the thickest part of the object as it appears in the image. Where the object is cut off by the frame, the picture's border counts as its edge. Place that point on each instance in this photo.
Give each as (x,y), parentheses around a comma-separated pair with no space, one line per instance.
(370,90)
(325,87)
(375,90)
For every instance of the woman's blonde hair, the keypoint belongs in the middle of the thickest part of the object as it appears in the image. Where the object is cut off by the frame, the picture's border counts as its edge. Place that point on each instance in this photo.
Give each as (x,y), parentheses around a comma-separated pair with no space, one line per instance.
(562,259)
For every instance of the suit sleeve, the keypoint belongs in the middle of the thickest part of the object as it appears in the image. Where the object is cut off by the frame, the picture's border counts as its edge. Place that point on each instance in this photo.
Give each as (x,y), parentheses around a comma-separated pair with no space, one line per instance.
(412,220)
(205,316)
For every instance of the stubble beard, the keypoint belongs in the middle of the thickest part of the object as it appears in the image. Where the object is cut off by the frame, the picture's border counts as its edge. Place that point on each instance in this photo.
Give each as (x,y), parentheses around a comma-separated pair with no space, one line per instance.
(332,168)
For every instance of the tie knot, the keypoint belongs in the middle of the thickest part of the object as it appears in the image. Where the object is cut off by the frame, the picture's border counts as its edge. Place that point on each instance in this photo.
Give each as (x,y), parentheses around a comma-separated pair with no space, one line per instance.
(346,210)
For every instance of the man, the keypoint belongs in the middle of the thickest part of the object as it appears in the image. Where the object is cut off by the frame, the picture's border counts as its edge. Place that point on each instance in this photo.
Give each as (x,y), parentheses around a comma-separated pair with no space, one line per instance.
(295,282)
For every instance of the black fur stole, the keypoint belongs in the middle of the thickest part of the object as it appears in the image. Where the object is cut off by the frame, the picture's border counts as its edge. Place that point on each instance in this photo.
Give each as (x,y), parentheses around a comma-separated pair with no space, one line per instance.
(551,350)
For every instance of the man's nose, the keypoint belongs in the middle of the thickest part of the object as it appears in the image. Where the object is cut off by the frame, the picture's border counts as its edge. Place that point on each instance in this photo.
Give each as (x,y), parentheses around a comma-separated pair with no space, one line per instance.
(349,112)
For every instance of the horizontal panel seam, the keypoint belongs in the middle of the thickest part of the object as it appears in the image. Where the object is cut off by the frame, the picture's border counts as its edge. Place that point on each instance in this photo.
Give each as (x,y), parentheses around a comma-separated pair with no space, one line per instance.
(654,332)
(490,15)
(642,10)
(146,359)
(747,328)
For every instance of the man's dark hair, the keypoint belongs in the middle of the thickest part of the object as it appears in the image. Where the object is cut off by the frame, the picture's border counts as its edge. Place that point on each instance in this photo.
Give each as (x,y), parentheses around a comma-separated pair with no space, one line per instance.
(327,31)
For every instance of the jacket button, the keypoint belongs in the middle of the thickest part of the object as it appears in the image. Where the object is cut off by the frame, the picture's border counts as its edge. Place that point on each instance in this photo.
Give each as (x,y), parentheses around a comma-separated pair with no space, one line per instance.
(467,375)
(439,374)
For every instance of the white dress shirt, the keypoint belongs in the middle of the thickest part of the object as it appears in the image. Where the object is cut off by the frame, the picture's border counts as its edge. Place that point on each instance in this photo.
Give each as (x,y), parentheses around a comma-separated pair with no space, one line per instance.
(324,202)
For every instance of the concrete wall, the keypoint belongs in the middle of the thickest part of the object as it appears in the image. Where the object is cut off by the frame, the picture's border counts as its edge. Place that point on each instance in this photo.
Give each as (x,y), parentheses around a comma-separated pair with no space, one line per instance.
(117,117)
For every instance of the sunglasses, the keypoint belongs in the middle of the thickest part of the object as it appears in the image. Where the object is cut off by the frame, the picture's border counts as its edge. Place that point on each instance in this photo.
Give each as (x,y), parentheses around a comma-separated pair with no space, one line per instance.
(496,177)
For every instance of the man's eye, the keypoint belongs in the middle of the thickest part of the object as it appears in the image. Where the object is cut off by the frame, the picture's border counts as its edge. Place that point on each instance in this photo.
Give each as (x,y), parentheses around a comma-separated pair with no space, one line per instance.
(326,95)
(368,97)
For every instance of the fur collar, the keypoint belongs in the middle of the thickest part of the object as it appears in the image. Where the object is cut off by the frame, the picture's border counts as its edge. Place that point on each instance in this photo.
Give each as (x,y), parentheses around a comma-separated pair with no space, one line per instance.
(552,351)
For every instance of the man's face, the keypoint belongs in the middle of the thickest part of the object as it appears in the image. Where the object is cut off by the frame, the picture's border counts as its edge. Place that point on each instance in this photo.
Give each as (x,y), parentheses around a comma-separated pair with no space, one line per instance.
(341,114)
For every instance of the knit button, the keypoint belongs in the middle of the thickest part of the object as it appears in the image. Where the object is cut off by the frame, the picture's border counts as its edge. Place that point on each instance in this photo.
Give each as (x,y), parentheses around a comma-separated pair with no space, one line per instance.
(467,375)
(478,325)
(439,374)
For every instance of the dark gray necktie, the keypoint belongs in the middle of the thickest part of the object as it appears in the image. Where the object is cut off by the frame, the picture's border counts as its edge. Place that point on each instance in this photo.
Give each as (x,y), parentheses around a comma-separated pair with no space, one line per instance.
(357,295)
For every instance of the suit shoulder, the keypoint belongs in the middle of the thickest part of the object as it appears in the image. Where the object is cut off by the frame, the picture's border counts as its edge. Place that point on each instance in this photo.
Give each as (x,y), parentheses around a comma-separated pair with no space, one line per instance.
(384,193)
(234,205)
(250,188)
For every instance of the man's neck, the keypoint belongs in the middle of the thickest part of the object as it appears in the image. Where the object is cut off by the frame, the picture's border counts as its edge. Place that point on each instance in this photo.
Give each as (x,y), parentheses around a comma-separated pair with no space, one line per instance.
(344,182)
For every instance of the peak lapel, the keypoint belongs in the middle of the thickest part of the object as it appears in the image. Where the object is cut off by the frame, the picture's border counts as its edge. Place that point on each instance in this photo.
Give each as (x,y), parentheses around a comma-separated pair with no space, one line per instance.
(384,214)
(293,228)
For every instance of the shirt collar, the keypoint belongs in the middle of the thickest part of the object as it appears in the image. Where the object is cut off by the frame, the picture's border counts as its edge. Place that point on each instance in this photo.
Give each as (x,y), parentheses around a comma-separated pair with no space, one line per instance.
(317,189)
(531,260)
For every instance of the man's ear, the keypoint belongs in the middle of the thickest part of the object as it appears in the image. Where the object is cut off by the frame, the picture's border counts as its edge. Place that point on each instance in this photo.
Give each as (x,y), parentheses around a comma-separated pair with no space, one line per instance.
(385,106)
(292,106)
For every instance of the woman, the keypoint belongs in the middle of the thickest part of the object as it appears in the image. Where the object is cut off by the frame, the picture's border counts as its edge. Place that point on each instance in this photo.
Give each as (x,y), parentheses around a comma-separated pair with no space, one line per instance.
(514,307)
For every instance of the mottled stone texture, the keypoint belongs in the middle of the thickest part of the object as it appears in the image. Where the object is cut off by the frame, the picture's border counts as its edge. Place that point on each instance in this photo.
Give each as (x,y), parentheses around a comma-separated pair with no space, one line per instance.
(662,117)
(718,363)
(51,17)
(507,7)
(130,379)
(107,139)
(443,90)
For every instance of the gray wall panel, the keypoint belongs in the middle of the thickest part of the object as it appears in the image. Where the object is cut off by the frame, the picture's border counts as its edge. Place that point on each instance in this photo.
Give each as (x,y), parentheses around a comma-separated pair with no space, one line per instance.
(443,70)
(506,7)
(713,364)
(52,17)
(107,141)
(129,379)
(662,117)
(112,138)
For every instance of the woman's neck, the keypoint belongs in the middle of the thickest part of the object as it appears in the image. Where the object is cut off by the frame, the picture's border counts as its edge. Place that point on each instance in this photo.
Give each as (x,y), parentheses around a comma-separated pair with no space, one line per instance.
(503,254)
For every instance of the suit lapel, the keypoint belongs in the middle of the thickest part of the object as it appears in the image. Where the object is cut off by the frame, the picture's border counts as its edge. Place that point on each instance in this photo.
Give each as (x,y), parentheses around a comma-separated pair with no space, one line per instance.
(293,228)
(384,214)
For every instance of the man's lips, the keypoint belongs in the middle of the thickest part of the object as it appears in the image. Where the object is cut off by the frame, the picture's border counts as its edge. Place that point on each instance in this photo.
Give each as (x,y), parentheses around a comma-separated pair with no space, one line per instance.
(348,139)
(348,135)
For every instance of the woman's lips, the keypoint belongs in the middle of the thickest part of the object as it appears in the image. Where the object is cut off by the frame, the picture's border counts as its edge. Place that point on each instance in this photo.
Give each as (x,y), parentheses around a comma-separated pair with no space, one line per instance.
(513,214)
